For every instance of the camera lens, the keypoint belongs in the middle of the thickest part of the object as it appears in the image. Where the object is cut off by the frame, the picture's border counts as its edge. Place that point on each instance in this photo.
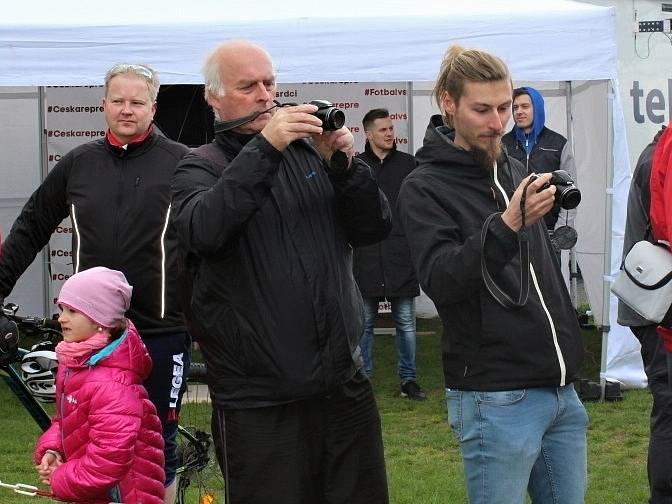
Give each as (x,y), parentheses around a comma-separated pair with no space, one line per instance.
(336,119)
(332,118)
(569,197)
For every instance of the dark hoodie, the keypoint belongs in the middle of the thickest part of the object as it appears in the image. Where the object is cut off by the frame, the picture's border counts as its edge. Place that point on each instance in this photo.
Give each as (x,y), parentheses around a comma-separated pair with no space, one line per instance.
(443,205)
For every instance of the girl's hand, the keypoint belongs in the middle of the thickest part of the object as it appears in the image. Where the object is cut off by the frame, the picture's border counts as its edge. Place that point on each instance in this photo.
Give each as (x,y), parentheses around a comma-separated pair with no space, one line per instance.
(50,461)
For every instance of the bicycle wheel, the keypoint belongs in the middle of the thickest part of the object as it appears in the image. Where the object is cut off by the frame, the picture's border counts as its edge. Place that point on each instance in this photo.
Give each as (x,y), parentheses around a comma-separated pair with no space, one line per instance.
(199,479)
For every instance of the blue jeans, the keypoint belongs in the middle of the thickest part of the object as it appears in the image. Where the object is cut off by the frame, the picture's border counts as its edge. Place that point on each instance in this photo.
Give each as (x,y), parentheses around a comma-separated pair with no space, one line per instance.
(403,313)
(515,441)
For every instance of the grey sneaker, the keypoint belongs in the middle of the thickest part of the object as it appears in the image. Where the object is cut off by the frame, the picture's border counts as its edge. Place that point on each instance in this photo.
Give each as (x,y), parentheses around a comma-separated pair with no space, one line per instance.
(413,391)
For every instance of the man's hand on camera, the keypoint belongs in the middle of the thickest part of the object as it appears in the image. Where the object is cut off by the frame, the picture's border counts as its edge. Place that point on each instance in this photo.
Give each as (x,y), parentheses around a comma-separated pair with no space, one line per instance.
(537,204)
(330,142)
(291,123)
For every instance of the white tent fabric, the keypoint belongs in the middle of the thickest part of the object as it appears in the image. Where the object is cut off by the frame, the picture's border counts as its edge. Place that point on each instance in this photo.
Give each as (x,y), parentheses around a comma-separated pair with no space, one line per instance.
(73,42)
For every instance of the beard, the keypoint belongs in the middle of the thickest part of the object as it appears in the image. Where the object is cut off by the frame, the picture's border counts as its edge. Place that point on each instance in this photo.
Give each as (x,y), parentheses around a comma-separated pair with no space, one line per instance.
(487,157)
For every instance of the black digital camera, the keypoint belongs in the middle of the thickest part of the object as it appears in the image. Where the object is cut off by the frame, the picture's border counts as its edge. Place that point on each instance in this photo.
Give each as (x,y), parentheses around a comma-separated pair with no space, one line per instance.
(332,117)
(566,193)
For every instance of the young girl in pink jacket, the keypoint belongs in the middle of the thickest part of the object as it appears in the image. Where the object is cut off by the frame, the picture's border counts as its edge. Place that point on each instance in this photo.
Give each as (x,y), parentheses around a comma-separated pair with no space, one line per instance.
(105,440)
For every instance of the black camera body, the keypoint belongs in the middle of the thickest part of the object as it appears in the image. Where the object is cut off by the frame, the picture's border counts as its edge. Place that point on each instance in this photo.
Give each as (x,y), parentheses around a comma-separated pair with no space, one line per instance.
(332,117)
(567,195)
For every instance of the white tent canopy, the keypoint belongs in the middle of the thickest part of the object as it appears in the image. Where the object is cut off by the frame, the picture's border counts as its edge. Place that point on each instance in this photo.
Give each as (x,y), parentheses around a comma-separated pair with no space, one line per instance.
(72,43)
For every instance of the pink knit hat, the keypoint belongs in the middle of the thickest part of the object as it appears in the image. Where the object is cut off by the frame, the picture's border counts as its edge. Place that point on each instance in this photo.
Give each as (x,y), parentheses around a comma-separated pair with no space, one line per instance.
(100,293)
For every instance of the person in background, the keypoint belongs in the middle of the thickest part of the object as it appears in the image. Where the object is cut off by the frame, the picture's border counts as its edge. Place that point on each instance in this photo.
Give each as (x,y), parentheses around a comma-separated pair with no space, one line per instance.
(471,213)
(385,270)
(105,442)
(268,214)
(539,148)
(654,355)
(116,191)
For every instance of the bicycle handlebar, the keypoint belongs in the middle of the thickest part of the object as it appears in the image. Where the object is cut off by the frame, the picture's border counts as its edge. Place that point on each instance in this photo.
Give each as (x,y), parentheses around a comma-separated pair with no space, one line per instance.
(30,321)
(9,342)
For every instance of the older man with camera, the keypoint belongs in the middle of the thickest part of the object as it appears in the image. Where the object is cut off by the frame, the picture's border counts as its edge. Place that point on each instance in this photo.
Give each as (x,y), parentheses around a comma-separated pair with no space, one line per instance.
(268,214)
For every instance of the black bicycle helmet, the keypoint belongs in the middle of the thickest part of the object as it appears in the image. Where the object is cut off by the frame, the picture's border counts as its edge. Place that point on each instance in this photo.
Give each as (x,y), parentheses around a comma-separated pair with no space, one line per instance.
(38,371)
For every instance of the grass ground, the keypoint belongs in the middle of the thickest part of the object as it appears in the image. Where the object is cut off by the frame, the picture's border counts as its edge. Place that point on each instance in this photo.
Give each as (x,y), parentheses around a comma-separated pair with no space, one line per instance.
(423,461)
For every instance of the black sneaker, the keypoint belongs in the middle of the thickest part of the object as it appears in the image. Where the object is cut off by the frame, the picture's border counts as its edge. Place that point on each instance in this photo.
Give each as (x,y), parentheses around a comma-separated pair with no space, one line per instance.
(413,391)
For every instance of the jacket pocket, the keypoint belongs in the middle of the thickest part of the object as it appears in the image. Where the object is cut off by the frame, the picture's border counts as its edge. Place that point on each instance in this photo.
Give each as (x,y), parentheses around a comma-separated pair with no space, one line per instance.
(501,397)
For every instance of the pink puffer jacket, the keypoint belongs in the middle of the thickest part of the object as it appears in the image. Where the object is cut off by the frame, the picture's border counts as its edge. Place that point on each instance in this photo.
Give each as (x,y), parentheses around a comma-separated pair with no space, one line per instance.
(106,429)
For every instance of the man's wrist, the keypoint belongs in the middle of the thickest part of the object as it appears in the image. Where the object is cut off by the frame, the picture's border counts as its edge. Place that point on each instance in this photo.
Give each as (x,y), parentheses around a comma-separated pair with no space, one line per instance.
(338,166)
(513,224)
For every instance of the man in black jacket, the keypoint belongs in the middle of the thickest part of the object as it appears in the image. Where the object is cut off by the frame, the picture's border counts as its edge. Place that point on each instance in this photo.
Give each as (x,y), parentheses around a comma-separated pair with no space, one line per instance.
(473,218)
(117,193)
(384,270)
(268,213)
(654,355)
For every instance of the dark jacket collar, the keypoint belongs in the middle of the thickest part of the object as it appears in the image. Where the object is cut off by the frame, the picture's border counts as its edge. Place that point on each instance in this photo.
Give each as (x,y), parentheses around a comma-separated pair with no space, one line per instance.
(369,150)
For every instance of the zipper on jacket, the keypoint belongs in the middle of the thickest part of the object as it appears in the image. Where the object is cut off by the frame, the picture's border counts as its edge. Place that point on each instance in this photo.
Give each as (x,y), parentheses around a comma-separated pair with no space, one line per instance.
(119,201)
(73,218)
(558,352)
(65,378)
(163,262)
(379,245)
(494,197)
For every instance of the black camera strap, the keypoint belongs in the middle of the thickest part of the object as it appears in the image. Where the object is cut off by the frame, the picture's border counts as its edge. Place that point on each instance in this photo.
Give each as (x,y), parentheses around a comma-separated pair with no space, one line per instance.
(524,252)
(221,126)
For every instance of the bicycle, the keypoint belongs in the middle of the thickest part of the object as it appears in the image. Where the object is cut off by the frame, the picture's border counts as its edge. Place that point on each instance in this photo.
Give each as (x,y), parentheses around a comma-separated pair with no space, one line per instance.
(199,479)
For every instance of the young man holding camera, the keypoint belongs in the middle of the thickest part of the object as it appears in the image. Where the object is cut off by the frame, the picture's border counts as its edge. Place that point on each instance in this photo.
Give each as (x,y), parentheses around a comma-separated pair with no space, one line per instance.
(471,212)
(268,213)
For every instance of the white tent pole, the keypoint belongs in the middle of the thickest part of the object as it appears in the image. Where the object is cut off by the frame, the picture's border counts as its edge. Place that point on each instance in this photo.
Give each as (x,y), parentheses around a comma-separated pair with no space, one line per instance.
(573,274)
(409,117)
(606,293)
(44,169)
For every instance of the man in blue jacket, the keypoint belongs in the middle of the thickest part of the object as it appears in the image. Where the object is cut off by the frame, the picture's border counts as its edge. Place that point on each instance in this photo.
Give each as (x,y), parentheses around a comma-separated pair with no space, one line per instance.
(539,148)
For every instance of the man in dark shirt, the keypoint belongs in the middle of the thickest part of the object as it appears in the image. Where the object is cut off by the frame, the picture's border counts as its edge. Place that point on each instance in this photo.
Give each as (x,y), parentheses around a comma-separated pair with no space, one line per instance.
(268,213)
(384,270)
(654,355)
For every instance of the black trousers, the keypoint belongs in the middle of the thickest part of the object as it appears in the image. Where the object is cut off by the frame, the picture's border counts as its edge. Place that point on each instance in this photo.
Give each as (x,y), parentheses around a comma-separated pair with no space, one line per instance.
(659,462)
(322,450)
